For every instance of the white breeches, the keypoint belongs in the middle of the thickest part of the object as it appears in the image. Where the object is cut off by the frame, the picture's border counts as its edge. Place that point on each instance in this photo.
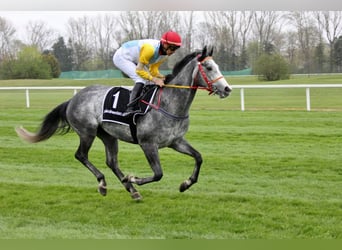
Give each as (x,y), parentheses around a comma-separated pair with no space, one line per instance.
(121,61)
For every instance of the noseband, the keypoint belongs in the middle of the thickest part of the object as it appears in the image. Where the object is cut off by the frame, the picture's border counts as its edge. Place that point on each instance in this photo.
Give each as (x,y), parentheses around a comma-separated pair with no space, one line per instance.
(205,78)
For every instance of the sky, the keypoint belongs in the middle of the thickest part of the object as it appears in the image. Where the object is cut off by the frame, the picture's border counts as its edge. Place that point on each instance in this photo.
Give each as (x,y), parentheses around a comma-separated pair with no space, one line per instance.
(57,13)
(56,20)
(106,5)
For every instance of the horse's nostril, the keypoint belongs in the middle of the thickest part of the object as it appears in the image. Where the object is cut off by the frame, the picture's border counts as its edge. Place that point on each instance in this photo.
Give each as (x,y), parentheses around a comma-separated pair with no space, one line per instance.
(227,89)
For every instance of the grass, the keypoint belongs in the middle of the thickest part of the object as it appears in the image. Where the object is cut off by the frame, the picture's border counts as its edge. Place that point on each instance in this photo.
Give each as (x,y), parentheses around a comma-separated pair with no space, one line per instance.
(266,175)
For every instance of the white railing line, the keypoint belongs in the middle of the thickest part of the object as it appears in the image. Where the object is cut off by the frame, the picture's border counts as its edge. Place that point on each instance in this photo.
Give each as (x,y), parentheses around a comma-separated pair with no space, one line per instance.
(276,86)
(241,87)
(42,88)
(264,86)
(27,90)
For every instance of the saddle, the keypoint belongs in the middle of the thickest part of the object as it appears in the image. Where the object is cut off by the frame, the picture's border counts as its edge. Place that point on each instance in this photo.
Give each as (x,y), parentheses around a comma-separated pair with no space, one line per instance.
(115,104)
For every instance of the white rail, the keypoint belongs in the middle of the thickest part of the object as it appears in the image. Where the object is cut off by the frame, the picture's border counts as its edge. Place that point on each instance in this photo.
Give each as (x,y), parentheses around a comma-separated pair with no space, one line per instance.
(264,86)
(27,90)
(241,87)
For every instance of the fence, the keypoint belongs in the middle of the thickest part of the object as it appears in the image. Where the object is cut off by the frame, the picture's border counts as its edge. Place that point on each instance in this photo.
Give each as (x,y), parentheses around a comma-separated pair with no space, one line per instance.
(306,86)
(241,87)
(27,90)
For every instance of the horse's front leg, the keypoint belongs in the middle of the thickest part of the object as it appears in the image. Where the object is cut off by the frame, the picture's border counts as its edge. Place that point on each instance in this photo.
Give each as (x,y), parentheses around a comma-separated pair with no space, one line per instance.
(184,147)
(152,156)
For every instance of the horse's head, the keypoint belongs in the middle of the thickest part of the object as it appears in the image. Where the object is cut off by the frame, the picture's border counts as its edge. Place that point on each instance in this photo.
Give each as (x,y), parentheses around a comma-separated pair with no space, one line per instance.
(209,75)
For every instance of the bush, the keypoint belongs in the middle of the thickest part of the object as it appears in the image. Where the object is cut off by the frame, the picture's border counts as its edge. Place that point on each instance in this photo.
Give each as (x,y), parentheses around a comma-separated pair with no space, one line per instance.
(28,65)
(271,67)
(6,69)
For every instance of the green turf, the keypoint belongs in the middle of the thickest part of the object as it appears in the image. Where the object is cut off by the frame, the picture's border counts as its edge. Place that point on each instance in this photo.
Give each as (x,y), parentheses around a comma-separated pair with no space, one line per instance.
(267,174)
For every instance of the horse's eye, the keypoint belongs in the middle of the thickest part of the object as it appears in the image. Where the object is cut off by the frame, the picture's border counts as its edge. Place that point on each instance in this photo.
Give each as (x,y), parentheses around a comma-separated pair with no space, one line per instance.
(209,68)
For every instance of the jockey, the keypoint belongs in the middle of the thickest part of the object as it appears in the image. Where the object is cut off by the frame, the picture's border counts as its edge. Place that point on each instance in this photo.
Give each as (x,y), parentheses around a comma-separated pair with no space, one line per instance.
(140,61)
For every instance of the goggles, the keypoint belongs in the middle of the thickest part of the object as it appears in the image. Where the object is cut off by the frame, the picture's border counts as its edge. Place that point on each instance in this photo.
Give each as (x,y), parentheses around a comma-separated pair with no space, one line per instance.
(172,47)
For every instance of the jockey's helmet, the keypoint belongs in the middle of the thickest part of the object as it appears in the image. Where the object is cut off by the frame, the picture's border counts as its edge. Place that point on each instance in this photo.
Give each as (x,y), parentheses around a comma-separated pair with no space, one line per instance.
(171,37)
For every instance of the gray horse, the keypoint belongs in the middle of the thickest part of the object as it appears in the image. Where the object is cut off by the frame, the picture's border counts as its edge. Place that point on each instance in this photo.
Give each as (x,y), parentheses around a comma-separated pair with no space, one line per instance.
(163,126)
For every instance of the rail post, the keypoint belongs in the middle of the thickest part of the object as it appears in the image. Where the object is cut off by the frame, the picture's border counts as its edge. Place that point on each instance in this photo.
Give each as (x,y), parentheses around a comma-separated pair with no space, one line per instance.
(308,104)
(242,97)
(27,98)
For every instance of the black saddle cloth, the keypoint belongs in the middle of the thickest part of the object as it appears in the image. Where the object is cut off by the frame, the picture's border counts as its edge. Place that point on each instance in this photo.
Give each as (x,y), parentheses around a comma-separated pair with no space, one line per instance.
(116,100)
(115,104)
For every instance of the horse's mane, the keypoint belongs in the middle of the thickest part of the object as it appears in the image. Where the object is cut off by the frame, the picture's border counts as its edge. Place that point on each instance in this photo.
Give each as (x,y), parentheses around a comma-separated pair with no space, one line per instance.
(179,65)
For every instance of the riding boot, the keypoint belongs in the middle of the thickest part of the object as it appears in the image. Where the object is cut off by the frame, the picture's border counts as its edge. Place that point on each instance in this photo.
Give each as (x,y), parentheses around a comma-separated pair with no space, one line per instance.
(134,98)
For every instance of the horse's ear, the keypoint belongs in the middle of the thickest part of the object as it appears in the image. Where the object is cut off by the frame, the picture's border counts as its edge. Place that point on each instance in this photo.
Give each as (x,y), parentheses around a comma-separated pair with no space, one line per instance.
(211,51)
(204,51)
(203,54)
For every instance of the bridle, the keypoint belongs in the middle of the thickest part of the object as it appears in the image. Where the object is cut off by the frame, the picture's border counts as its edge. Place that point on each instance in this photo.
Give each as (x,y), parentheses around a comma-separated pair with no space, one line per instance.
(192,86)
(203,75)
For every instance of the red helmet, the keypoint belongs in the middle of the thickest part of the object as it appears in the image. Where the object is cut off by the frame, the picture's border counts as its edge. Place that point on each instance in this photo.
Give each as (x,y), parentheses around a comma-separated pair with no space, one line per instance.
(172,37)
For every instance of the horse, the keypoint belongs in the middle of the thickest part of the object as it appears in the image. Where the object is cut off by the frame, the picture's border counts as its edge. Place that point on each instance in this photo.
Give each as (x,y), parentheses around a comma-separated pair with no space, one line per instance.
(164,125)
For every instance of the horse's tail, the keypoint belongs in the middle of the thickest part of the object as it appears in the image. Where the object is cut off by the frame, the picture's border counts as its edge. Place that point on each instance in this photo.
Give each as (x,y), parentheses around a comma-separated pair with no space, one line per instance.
(55,121)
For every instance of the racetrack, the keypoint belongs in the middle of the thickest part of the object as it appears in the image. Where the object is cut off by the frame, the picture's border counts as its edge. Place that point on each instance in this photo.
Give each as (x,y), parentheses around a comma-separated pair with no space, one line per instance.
(266,175)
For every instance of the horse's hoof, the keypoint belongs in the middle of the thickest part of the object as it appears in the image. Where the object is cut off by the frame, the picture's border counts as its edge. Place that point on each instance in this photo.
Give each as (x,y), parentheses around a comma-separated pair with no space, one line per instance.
(102,190)
(185,185)
(182,187)
(136,196)
(102,187)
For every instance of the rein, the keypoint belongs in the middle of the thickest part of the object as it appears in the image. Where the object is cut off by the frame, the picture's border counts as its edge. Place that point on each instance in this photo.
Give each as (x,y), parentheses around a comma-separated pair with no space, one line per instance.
(158,108)
(183,87)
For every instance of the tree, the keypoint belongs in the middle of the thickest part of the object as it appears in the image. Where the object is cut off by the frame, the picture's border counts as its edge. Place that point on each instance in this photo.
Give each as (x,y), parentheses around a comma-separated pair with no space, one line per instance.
(307,35)
(104,40)
(39,35)
(331,23)
(265,27)
(7,32)
(245,21)
(222,26)
(268,48)
(306,39)
(338,54)
(81,55)
(319,58)
(80,41)
(189,27)
(291,51)
(51,60)
(63,55)
(146,24)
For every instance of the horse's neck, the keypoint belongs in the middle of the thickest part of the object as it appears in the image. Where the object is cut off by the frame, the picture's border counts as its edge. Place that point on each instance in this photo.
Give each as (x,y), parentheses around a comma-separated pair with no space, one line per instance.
(185,77)
(180,99)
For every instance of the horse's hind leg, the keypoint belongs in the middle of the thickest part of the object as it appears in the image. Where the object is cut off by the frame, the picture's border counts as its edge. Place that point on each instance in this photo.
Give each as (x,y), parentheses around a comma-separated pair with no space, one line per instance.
(184,147)
(111,145)
(82,155)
